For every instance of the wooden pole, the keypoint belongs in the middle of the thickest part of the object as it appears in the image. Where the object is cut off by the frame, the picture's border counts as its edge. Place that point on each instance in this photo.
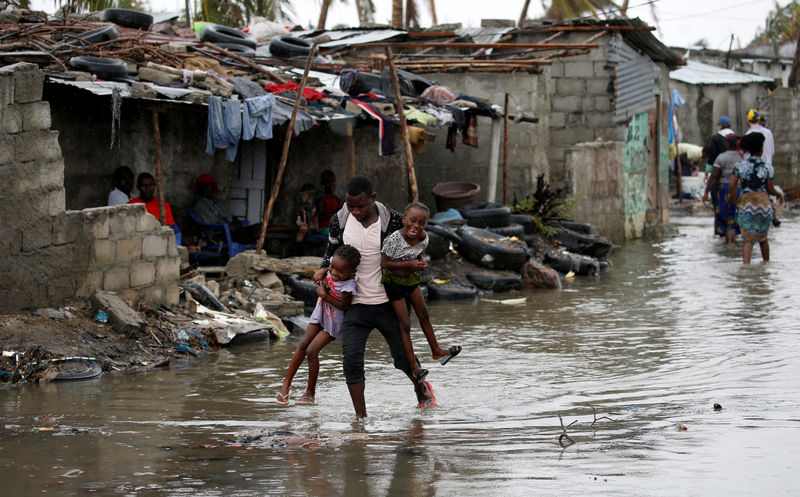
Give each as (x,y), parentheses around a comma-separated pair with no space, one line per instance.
(285,154)
(412,177)
(505,151)
(494,159)
(162,212)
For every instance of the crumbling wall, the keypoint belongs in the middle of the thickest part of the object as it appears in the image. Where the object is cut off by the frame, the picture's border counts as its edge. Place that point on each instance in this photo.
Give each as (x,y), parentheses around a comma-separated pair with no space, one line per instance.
(783,119)
(51,255)
(596,169)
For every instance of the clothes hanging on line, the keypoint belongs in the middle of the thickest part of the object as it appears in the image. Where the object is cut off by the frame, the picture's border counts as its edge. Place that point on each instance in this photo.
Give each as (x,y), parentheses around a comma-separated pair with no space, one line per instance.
(385,127)
(257,117)
(224,126)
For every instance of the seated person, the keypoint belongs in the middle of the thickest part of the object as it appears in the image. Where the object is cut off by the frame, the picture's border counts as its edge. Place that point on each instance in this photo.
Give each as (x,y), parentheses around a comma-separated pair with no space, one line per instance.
(212,210)
(147,188)
(328,203)
(123,184)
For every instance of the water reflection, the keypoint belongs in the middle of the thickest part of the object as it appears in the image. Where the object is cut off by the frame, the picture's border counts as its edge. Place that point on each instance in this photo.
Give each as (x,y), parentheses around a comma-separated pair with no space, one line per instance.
(675,327)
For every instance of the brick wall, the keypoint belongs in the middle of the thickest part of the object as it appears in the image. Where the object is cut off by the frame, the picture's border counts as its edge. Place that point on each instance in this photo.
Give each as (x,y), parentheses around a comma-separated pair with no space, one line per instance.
(51,255)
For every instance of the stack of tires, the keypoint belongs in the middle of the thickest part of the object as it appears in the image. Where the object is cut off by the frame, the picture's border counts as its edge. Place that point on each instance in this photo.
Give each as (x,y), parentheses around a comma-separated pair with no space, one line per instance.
(231,39)
(104,67)
(584,253)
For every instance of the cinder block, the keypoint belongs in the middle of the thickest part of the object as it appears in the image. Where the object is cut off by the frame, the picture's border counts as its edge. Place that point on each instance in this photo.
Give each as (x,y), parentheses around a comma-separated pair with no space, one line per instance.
(578,69)
(602,104)
(66,229)
(571,103)
(51,174)
(598,86)
(96,222)
(93,281)
(103,253)
(129,249)
(601,69)
(558,119)
(154,294)
(35,115)
(154,246)
(56,202)
(37,145)
(168,269)
(563,136)
(116,278)
(570,86)
(27,180)
(142,273)
(172,247)
(6,89)
(12,119)
(28,86)
(174,296)
(36,236)
(146,222)
(598,119)
(6,150)
(121,223)
(557,69)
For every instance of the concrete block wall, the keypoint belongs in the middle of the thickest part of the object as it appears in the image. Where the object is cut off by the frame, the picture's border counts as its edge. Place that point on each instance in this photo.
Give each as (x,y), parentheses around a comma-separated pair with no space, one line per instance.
(596,170)
(129,252)
(51,255)
(581,94)
(783,107)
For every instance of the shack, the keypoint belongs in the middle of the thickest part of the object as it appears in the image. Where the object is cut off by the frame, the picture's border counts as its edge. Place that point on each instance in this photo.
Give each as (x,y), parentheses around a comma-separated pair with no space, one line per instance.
(598,90)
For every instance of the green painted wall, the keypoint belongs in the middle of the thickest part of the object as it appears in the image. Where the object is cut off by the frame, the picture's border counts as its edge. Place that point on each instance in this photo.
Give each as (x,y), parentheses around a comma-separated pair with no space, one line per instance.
(634,187)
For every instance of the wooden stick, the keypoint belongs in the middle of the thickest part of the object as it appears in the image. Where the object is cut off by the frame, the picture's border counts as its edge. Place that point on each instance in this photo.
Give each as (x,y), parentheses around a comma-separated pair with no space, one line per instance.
(412,177)
(285,154)
(475,46)
(162,212)
(505,151)
(247,62)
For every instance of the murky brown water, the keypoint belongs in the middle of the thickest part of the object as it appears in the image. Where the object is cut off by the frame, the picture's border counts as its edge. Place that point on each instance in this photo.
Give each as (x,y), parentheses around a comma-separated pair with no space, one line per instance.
(674,328)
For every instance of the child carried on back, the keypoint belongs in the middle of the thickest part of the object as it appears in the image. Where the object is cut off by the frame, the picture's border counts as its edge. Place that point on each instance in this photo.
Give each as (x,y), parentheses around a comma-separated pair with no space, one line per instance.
(401,260)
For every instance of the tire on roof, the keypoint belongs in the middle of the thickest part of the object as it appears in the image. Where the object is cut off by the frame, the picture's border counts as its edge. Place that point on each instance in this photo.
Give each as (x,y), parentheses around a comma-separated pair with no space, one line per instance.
(289,46)
(237,48)
(215,33)
(106,33)
(128,18)
(103,67)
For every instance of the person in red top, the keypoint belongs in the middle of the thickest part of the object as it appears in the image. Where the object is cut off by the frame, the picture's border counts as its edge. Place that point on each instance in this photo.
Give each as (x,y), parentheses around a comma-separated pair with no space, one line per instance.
(328,203)
(147,189)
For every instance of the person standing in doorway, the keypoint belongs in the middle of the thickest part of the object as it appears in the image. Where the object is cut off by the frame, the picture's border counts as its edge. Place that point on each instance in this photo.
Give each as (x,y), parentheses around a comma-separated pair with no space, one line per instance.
(146,185)
(365,223)
(123,184)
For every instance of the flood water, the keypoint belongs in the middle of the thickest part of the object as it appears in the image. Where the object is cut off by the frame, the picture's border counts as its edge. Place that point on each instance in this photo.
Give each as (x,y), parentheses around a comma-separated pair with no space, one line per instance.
(626,359)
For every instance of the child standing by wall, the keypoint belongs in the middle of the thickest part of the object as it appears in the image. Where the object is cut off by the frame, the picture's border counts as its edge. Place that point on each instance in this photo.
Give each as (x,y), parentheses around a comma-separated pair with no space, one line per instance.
(335,294)
(401,260)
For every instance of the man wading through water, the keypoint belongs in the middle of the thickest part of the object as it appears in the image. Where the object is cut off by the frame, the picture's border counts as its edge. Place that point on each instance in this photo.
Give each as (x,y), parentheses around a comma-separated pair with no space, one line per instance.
(364,223)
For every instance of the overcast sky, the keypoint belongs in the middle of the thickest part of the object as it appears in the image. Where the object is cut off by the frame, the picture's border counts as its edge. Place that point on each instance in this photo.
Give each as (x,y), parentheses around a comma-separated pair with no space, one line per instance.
(679,22)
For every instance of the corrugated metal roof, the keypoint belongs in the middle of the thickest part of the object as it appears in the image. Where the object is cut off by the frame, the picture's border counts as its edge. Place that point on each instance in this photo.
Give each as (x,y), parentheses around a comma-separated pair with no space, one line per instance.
(697,73)
(634,85)
(483,35)
(360,37)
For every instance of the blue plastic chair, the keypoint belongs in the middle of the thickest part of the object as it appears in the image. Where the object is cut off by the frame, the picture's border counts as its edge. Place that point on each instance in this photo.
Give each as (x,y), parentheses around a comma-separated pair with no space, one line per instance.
(210,230)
